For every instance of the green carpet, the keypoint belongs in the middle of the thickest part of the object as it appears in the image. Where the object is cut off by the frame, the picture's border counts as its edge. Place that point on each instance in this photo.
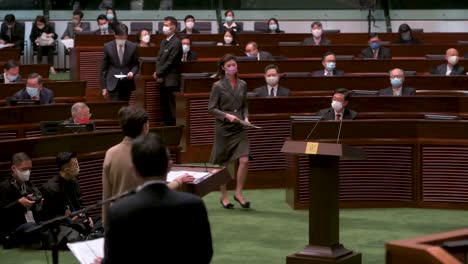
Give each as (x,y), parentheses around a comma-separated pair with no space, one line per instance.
(60,76)
(270,231)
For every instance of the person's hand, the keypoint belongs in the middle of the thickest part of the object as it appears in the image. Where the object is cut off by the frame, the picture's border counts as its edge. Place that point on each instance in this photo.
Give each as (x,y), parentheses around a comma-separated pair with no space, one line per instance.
(66,37)
(77,29)
(24,201)
(246,120)
(97,260)
(232,118)
(91,223)
(130,75)
(105,93)
(10,45)
(2,41)
(155,76)
(38,39)
(185,178)
(50,35)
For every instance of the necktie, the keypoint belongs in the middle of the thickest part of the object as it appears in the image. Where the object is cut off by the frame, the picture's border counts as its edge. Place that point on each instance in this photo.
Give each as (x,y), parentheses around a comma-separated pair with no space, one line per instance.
(376,54)
(120,53)
(184,58)
(272,92)
(338,117)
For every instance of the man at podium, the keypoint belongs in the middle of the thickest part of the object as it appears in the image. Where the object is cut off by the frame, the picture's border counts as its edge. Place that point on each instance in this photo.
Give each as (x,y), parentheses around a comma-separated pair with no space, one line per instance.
(338,109)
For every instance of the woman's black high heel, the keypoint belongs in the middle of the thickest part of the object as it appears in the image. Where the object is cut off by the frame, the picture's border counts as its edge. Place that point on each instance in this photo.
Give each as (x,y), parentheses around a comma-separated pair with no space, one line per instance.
(227,206)
(245,205)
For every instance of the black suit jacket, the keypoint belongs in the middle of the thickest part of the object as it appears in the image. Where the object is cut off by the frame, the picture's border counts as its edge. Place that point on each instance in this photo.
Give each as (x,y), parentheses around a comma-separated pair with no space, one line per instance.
(405,91)
(17,34)
(265,55)
(109,30)
(310,41)
(111,65)
(2,78)
(167,218)
(384,53)
(46,96)
(442,70)
(238,28)
(329,114)
(169,61)
(263,91)
(322,72)
(191,56)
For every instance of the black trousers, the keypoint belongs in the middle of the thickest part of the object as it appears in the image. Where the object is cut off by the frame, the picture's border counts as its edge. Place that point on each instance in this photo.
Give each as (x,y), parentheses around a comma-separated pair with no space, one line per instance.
(45,50)
(121,92)
(168,104)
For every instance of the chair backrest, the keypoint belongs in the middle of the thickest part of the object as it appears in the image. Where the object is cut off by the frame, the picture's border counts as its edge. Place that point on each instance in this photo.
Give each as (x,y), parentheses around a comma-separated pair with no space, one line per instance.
(137,26)
(203,27)
(204,43)
(290,43)
(260,26)
(49,127)
(418,30)
(331,31)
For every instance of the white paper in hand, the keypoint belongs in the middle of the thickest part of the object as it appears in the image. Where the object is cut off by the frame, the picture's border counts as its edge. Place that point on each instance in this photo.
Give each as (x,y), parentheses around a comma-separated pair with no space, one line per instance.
(2,46)
(120,76)
(199,176)
(68,43)
(87,251)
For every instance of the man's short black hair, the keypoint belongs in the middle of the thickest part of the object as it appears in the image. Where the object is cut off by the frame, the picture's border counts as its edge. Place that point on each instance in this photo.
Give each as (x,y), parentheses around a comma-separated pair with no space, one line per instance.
(78,13)
(63,158)
(11,64)
(121,29)
(132,120)
(101,17)
(188,17)
(316,23)
(373,35)
(172,19)
(9,18)
(19,157)
(271,66)
(149,156)
(37,76)
(186,37)
(328,53)
(343,91)
(229,11)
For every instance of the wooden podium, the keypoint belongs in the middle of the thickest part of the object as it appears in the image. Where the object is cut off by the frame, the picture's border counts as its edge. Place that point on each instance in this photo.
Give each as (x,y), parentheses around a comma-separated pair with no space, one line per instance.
(324,245)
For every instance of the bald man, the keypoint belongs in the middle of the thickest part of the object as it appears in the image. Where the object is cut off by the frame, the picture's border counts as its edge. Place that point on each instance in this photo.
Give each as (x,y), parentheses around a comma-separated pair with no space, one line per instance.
(251,50)
(451,67)
(397,88)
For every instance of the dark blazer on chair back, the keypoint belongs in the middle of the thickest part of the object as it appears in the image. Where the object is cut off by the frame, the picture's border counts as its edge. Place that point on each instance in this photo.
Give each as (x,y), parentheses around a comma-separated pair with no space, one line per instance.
(405,91)
(322,73)
(442,70)
(169,61)
(310,41)
(329,114)
(263,91)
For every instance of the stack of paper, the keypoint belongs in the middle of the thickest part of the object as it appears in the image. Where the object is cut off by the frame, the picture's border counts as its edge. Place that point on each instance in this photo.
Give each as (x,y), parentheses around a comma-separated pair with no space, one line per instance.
(199,176)
(87,251)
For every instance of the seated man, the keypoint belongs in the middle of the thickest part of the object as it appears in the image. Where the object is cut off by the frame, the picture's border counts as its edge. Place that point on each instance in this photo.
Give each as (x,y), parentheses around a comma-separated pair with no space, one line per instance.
(375,50)
(316,39)
(329,63)
(76,26)
(12,32)
(10,73)
(103,26)
(34,91)
(188,54)
(338,110)
(251,50)
(189,29)
(397,79)
(272,79)
(156,211)
(451,67)
(20,204)
(80,114)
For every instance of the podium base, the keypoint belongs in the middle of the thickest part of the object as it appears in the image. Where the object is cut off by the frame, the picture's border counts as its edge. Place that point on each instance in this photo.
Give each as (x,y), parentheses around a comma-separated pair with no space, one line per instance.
(324,255)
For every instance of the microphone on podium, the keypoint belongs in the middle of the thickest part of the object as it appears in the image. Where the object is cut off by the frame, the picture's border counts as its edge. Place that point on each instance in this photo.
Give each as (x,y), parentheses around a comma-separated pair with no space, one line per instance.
(339,129)
(320,118)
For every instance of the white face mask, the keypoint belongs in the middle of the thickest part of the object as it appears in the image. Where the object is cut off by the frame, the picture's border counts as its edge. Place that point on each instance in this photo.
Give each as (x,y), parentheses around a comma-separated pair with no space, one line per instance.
(272,80)
(337,106)
(23,175)
(317,33)
(453,60)
(185,48)
(189,25)
(166,30)
(146,38)
(228,40)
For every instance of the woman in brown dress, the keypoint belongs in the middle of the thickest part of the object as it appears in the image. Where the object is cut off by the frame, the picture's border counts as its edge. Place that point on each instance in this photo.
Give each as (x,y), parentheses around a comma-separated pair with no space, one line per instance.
(228,105)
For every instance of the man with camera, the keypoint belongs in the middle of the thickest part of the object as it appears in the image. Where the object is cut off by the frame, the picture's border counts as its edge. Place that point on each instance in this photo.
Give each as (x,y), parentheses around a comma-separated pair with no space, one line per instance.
(20,205)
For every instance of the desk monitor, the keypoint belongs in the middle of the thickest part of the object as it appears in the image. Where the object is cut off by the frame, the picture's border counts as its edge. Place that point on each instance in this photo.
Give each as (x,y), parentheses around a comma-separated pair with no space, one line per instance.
(311,118)
(364,93)
(441,117)
(246,58)
(11,101)
(75,128)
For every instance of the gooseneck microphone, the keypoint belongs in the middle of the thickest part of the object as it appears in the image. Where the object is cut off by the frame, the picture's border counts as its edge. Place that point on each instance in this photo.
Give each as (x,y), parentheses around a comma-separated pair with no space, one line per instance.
(316,124)
(339,129)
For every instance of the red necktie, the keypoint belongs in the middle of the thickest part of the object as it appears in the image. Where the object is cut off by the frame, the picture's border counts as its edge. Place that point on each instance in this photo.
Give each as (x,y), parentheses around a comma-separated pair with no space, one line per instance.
(376,54)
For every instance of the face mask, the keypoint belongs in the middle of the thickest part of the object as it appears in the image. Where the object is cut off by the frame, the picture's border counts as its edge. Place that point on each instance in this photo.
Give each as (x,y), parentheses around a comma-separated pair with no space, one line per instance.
(33,92)
(273,27)
(12,78)
(337,106)
(120,42)
(272,80)
(231,70)
(23,175)
(104,27)
(229,19)
(110,16)
(375,45)
(146,38)
(317,33)
(453,60)
(248,54)
(189,25)
(228,40)
(331,66)
(166,30)
(83,120)
(396,82)
(40,26)
(406,36)
(185,48)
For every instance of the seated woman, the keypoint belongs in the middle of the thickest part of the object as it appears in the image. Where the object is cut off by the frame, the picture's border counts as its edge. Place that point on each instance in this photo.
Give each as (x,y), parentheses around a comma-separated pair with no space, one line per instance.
(43,37)
(273,26)
(112,18)
(406,36)
(230,23)
(229,39)
(143,39)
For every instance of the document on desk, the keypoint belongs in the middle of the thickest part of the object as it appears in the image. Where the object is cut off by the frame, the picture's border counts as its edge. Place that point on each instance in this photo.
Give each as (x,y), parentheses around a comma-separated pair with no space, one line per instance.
(87,251)
(198,175)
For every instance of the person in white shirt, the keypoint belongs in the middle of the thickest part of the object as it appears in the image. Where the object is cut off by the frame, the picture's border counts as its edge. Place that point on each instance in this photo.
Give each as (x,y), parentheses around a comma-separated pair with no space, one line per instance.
(451,67)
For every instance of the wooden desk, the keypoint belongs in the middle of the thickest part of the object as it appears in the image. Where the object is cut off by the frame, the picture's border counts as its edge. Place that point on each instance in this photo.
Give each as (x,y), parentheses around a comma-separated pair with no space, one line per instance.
(26,69)
(10,54)
(23,121)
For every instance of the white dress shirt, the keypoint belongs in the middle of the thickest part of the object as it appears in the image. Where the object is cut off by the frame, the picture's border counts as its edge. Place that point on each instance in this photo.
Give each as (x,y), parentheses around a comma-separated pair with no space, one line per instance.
(397,91)
(275,90)
(449,69)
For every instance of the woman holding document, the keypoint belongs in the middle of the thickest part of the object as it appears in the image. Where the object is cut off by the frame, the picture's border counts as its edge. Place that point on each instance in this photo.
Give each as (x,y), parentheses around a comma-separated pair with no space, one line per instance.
(228,104)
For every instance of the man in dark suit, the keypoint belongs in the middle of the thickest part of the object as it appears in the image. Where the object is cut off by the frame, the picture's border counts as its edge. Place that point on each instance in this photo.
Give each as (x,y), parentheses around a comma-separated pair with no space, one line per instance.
(11,73)
(375,50)
(189,29)
(272,79)
(157,212)
(329,64)
(338,110)
(251,50)
(76,26)
(12,32)
(397,79)
(316,39)
(120,58)
(451,67)
(168,69)
(103,26)
(34,91)
(188,54)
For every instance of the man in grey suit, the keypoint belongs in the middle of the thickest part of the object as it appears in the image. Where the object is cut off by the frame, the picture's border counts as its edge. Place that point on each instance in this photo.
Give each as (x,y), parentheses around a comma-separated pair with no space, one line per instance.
(397,79)
(451,67)
(34,91)
(76,26)
(251,50)
(316,39)
(338,109)
(103,26)
(168,69)
(329,64)
(375,50)
(120,58)
(271,88)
